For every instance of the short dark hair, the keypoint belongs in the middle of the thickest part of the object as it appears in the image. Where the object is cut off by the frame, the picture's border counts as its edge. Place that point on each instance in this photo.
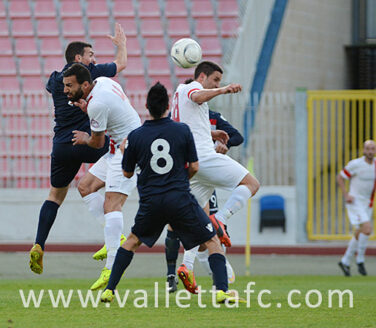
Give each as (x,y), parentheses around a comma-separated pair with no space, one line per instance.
(75,48)
(208,68)
(157,100)
(80,71)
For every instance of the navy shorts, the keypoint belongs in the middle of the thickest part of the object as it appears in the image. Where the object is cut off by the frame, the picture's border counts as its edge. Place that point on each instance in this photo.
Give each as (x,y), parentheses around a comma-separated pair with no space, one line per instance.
(177,208)
(66,161)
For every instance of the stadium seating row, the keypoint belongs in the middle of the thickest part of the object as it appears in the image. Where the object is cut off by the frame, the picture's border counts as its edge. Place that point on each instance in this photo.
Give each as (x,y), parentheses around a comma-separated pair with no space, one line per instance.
(33,35)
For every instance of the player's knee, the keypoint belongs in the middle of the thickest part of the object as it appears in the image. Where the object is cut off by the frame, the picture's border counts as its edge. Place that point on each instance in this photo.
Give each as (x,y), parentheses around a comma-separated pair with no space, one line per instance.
(251,182)
(57,195)
(214,246)
(132,243)
(366,229)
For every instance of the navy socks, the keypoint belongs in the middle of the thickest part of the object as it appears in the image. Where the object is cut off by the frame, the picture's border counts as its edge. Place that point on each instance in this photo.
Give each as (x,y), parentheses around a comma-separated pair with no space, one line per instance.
(172,245)
(122,260)
(217,264)
(47,217)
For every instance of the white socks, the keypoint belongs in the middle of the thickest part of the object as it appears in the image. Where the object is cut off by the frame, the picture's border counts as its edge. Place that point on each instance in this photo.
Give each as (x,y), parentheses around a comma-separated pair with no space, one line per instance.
(203,258)
(362,245)
(237,200)
(189,257)
(112,233)
(350,251)
(94,202)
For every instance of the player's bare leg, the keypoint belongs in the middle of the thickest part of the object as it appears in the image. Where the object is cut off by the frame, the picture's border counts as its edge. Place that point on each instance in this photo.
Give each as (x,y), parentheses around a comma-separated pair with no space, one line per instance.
(47,217)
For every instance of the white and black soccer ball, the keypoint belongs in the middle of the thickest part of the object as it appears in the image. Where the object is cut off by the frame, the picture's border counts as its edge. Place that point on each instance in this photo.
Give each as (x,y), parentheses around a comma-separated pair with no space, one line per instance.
(186,53)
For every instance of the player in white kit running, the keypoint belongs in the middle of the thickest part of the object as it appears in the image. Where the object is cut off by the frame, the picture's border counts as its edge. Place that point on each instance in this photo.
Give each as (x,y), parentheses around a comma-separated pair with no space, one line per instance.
(216,170)
(109,110)
(359,204)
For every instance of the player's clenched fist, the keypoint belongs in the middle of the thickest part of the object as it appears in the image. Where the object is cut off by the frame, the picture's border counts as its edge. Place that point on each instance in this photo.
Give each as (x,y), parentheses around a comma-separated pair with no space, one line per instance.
(232,88)
(80,137)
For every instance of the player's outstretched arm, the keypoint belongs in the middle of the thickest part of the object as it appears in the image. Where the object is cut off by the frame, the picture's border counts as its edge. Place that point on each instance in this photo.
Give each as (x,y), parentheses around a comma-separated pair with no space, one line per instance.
(205,95)
(120,41)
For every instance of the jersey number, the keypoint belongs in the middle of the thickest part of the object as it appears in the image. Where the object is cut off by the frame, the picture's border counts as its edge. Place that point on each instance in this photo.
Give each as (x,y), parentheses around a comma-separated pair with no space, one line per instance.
(160,149)
(175,110)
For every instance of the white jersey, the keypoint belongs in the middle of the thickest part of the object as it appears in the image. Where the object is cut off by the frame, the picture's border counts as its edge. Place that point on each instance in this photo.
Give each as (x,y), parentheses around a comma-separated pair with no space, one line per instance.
(194,115)
(362,179)
(109,109)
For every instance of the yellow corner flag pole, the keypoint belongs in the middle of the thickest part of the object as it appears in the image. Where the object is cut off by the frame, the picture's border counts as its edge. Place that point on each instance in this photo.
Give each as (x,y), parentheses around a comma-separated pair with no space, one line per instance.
(248,230)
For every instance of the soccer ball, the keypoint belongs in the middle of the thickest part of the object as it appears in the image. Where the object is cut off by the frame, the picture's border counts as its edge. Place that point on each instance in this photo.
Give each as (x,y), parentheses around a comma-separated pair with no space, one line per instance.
(186,53)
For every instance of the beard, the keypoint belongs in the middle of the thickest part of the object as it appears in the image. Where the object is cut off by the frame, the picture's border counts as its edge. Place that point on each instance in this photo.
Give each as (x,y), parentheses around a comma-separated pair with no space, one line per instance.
(76,96)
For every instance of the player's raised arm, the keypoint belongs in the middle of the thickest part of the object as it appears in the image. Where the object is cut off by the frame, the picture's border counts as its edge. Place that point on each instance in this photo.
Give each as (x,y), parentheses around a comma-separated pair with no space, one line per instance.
(204,95)
(120,41)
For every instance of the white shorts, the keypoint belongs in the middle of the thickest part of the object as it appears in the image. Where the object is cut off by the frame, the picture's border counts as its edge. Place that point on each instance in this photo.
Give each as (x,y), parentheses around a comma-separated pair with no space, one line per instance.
(216,171)
(359,212)
(109,170)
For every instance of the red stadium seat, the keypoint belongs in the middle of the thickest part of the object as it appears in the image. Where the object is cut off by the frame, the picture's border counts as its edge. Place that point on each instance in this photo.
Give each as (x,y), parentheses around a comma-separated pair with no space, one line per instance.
(6,47)
(210,46)
(165,80)
(9,84)
(175,8)
(135,84)
(43,167)
(155,47)
(129,25)
(22,27)
(26,47)
(16,126)
(3,27)
(134,67)
(123,8)
(148,8)
(12,104)
(158,66)
(202,8)
(33,84)
(178,28)
(3,13)
(45,8)
(206,27)
(51,64)
(40,126)
(103,46)
(228,8)
(19,146)
(70,8)
(133,47)
(7,66)
(47,27)
(73,27)
(97,8)
(24,172)
(184,73)
(229,27)
(50,46)
(99,27)
(151,27)
(38,105)
(29,66)
(5,173)
(19,8)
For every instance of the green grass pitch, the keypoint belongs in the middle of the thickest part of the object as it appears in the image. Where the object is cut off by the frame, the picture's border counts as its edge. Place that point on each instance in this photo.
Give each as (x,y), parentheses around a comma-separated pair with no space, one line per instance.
(14,314)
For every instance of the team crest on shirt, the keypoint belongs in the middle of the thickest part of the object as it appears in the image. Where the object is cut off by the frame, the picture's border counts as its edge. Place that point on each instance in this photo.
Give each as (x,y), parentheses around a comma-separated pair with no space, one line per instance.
(209,226)
(94,123)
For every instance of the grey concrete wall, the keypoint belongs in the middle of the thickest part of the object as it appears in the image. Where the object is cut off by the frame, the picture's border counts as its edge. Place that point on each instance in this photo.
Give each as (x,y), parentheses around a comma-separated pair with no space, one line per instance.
(310,48)
(19,211)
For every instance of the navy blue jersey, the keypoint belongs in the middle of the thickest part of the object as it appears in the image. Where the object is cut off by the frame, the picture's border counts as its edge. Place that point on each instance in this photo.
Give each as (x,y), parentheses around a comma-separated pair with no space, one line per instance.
(67,117)
(161,149)
(219,123)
